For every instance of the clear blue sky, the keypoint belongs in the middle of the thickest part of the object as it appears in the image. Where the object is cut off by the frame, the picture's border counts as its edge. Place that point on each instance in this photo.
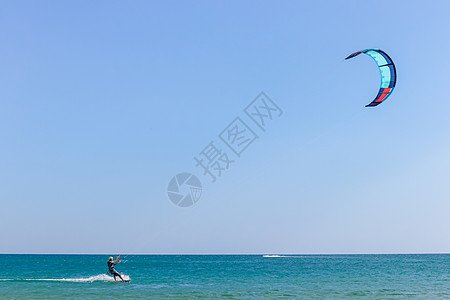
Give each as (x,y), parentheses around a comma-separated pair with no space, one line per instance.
(102,102)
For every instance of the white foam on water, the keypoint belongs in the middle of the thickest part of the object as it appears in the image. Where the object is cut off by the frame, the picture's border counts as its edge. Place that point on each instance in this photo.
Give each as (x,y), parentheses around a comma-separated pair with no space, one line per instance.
(100,277)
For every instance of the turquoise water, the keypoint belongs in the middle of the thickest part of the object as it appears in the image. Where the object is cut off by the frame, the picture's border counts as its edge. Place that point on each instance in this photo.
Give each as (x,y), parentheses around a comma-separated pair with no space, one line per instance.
(227,277)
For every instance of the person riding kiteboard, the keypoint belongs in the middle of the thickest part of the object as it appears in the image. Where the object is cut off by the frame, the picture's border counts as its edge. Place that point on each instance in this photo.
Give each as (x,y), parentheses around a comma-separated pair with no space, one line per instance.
(111,264)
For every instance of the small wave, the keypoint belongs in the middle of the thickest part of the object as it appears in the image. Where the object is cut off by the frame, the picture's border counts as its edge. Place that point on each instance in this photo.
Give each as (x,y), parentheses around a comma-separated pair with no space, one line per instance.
(100,277)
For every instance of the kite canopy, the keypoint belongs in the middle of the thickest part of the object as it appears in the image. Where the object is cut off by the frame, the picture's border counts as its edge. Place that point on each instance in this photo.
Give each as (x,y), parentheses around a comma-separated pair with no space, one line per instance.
(387,70)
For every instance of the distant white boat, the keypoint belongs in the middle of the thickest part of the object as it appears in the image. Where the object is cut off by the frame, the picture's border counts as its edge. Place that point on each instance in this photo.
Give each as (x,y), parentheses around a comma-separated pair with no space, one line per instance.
(271,255)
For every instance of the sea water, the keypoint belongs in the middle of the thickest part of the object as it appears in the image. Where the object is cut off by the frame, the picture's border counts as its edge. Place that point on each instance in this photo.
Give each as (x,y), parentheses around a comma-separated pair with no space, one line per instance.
(415,276)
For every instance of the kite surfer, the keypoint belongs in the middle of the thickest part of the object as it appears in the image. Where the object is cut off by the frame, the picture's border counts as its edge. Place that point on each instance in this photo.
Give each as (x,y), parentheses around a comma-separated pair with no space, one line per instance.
(111,264)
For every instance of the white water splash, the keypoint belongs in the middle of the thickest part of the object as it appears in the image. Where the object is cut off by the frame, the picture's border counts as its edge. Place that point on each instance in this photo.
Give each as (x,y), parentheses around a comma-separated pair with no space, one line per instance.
(100,277)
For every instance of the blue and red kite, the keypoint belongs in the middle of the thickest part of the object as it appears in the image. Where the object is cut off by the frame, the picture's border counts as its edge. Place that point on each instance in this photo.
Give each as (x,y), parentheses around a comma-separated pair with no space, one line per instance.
(387,70)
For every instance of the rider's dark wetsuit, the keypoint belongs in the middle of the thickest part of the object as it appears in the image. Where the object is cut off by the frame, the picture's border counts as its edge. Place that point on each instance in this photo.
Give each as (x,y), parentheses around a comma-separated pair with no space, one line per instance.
(111,265)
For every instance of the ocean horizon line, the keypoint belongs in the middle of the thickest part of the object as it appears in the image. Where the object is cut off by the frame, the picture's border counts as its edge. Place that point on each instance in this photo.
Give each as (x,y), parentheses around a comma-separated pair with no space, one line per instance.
(232,254)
